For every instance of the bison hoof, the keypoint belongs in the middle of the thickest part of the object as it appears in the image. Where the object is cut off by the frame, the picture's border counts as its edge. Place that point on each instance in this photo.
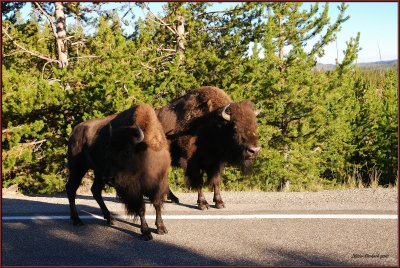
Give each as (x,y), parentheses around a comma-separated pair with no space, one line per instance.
(146,234)
(77,222)
(110,220)
(219,204)
(161,230)
(175,200)
(147,237)
(202,204)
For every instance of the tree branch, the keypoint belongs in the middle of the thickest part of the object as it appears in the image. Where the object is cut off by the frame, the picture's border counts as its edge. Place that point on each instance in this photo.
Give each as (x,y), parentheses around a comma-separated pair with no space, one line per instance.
(222,11)
(49,18)
(86,57)
(166,49)
(44,66)
(26,50)
(10,129)
(160,20)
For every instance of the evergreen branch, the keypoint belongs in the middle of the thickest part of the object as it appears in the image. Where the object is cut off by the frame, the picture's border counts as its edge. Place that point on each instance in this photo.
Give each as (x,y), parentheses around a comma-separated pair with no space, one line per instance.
(222,11)
(86,57)
(306,135)
(147,66)
(26,50)
(166,49)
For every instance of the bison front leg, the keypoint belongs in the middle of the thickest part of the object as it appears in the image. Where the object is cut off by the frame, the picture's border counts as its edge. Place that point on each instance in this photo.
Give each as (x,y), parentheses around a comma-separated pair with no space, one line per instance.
(161,229)
(201,200)
(144,227)
(96,189)
(214,178)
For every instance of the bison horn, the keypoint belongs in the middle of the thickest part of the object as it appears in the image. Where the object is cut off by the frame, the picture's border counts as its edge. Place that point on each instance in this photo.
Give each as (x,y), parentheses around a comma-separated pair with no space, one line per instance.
(140,138)
(110,129)
(257,112)
(226,116)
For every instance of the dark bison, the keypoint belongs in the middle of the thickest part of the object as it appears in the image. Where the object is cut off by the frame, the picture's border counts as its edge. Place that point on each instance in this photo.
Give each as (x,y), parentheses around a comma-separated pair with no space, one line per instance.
(131,148)
(206,129)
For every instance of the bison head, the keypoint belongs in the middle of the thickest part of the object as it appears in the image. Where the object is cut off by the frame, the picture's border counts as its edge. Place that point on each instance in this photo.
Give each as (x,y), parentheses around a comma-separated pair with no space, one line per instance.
(123,144)
(240,130)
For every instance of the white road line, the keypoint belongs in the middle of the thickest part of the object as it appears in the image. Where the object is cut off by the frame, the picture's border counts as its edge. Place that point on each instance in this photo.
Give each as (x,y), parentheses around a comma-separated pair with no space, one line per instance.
(223,217)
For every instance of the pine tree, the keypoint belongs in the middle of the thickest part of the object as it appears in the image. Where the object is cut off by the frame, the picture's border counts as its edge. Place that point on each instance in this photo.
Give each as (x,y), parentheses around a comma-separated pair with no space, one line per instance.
(317,129)
(291,92)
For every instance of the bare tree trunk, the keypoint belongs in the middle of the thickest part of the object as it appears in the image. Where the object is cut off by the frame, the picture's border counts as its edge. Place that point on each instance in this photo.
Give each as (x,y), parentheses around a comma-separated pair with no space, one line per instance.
(284,183)
(180,37)
(281,39)
(61,35)
(281,44)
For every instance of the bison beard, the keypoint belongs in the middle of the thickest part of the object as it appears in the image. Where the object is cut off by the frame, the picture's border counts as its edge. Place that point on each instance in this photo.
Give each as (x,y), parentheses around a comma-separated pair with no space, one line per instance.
(205,130)
(129,147)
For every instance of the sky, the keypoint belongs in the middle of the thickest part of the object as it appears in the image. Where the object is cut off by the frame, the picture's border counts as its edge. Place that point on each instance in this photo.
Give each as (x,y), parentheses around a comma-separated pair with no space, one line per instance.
(377,23)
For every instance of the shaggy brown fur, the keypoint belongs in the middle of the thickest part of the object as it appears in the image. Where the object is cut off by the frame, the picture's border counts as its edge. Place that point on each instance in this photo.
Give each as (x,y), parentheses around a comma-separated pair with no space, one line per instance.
(177,115)
(112,148)
(201,140)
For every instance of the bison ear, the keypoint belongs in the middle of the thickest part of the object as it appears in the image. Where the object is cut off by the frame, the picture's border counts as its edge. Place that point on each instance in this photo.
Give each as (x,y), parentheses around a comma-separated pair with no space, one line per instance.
(258,111)
(209,104)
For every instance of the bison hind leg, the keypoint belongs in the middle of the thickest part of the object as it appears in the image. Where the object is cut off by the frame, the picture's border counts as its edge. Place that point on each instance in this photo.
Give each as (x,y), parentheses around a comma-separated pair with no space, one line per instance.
(171,196)
(76,172)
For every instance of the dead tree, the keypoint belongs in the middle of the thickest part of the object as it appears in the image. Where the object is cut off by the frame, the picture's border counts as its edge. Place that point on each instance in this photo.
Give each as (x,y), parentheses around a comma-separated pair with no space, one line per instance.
(59,32)
(62,46)
(180,37)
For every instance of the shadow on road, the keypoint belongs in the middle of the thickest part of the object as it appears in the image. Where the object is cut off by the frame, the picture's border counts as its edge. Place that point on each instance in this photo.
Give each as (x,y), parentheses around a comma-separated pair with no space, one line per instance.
(59,243)
(50,242)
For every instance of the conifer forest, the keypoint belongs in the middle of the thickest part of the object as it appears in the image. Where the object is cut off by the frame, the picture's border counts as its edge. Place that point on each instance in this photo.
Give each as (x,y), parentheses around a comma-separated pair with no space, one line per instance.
(67,62)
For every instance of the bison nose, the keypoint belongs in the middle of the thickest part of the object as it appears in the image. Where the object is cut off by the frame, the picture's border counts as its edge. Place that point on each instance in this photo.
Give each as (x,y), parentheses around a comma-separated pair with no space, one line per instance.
(253,150)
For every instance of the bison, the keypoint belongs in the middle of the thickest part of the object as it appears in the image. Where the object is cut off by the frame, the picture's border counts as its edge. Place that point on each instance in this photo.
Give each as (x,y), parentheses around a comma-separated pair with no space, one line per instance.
(206,130)
(131,148)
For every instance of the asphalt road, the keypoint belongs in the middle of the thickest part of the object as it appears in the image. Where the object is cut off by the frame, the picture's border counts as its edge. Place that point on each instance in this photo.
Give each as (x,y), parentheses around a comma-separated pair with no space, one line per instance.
(352,227)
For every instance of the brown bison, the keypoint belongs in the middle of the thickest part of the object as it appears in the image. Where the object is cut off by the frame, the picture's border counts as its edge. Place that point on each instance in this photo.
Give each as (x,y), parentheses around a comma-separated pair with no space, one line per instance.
(132,147)
(205,130)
